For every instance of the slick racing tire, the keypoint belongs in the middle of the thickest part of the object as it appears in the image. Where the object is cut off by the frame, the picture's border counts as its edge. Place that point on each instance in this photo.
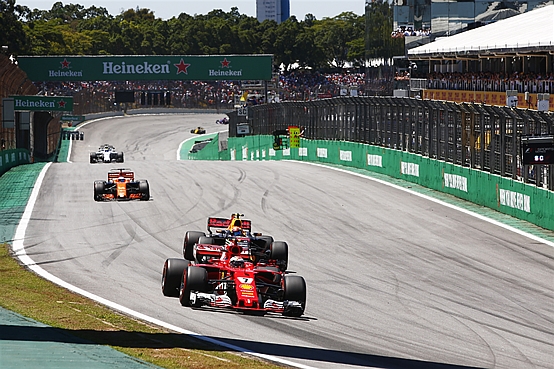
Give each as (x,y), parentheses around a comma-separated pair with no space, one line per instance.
(92,157)
(295,290)
(172,275)
(119,157)
(99,190)
(280,253)
(144,189)
(259,245)
(206,240)
(263,242)
(195,279)
(191,238)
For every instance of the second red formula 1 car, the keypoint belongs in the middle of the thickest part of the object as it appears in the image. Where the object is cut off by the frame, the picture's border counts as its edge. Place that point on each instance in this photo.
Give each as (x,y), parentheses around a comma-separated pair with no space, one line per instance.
(234,269)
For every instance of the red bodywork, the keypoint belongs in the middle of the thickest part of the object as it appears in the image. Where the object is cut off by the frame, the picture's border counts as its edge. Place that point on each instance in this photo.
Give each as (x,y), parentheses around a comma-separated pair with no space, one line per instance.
(247,281)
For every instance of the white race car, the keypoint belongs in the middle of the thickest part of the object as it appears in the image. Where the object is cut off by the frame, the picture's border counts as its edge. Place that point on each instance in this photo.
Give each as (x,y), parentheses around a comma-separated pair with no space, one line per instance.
(106,154)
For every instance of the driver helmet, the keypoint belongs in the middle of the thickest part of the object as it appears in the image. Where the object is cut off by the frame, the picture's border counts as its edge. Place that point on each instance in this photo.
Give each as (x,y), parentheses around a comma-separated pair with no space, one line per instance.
(121,179)
(236,231)
(236,262)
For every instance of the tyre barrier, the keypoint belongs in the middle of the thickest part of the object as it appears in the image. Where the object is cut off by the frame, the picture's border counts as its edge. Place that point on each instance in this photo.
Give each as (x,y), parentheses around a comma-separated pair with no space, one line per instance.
(73,135)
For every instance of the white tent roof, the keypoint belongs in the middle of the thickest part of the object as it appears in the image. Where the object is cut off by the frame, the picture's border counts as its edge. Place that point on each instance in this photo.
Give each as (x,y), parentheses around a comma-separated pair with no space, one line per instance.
(533,30)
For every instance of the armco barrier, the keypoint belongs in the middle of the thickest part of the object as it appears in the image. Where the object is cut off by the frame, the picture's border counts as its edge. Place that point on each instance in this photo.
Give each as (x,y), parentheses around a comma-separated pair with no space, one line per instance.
(12,158)
(517,199)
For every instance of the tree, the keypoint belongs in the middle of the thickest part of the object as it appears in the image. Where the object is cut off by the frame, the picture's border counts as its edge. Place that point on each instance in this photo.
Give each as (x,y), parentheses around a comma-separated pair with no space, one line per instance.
(334,34)
(12,33)
(379,22)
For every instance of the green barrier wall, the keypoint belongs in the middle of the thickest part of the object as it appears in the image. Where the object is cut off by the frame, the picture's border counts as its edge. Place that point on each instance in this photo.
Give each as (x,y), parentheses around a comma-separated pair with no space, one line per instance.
(12,158)
(517,199)
(210,151)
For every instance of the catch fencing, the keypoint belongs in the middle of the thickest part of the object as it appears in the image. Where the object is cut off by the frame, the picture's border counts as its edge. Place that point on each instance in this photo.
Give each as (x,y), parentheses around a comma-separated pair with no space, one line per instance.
(477,136)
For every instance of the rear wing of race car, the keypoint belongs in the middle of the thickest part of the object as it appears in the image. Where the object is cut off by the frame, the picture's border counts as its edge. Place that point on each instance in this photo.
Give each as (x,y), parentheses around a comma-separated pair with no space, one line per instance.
(114,174)
(224,223)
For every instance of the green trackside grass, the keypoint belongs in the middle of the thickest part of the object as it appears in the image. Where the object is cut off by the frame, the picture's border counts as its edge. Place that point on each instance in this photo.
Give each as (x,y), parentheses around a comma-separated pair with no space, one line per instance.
(28,294)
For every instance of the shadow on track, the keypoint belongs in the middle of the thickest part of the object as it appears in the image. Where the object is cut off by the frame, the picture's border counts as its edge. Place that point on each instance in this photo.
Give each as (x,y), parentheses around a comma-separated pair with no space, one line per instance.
(175,340)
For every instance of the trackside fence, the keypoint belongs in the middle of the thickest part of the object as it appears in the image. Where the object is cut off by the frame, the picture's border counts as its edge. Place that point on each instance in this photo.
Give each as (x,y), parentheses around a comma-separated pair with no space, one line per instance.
(475,136)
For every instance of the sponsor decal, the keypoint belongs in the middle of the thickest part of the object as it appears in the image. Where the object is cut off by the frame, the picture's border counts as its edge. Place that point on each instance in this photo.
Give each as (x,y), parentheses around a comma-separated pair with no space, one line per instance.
(515,200)
(410,169)
(303,151)
(225,73)
(61,73)
(246,287)
(142,68)
(321,152)
(20,103)
(65,64)
(47,103)
(182,67)
(455,181)
(225,63)
(374,160)
(345,155)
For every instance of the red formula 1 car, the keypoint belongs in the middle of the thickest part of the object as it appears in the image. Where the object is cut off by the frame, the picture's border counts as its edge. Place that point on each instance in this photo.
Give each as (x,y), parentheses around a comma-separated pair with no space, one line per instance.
(233,268)
(121,185)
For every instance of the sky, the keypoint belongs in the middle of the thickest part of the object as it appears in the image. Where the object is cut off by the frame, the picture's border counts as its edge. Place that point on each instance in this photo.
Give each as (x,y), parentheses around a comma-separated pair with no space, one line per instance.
(167,9)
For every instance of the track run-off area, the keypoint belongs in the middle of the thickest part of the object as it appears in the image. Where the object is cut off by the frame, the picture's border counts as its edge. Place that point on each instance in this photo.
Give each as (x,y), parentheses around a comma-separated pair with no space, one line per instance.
(395,279)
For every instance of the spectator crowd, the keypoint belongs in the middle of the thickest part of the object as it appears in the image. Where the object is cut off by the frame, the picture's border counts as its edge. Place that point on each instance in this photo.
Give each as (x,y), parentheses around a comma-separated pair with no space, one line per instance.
(298,85)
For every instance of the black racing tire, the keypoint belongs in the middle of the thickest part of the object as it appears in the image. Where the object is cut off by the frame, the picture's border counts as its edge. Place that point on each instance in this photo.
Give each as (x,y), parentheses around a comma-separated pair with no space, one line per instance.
(263,242)
(144,189)
(119,158)
(92,157)
(206,240)
(195,279)
(172,276)
(191,238)
(99,190)
(280,253)
(295,290)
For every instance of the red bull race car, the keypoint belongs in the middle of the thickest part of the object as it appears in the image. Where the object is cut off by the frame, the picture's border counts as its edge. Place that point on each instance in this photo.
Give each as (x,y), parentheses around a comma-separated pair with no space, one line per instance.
(121,185)
(234,268)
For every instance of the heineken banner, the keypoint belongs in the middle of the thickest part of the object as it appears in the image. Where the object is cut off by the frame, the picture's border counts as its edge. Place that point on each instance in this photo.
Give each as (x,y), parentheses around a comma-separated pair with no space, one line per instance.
(43,103)
(136,68)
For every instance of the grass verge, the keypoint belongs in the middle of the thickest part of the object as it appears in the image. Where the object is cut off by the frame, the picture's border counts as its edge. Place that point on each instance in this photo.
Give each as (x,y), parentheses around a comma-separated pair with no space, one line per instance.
(26,293)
